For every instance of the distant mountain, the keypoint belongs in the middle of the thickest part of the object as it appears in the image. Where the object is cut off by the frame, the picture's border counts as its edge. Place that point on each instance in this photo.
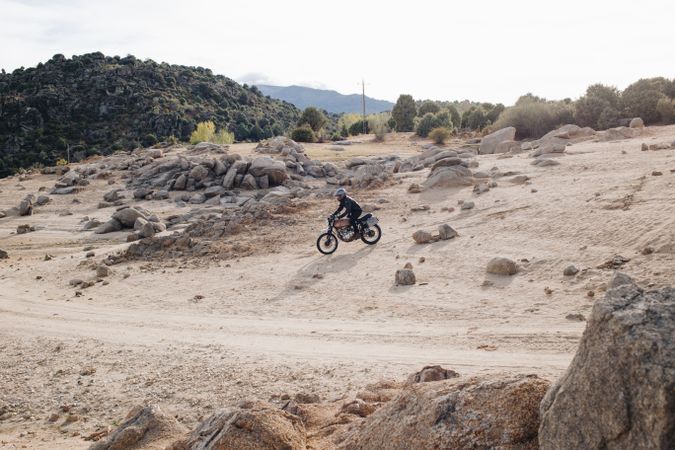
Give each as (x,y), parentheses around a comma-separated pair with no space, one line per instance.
(331,101)
(98,104)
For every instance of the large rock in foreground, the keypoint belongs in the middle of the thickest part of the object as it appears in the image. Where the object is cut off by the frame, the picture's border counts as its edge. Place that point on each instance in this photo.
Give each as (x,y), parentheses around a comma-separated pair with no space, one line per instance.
(147,427)
(249,426)
(482,412)
(488,145)
(619,391)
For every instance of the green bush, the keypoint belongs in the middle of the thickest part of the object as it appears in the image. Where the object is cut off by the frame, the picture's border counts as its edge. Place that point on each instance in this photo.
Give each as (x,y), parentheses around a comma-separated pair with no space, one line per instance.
(533,119)
(439,135)
(666,109)
(641,98)
(426,124)
(149,140)
(358,128)
(455,118)
(427,107)
(303,133)
(599,101)
(404,113)
(313,117)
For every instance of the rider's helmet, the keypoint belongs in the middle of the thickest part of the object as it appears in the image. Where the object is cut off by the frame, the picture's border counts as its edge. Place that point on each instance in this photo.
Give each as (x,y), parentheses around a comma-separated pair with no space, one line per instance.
(340,193)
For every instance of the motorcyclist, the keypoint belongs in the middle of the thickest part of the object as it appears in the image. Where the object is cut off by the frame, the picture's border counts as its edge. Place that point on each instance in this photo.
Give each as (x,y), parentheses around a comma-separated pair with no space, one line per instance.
(351,209)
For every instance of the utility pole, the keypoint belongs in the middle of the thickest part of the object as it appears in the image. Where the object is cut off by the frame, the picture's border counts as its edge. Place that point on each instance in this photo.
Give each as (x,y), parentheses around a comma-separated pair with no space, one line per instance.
(363,98)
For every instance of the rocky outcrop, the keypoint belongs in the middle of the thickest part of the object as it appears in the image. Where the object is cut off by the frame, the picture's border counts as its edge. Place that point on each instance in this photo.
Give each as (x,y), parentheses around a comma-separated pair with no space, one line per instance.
(619,390)
(143,428)
(449,177)
(488,145)
(619,133)
(481,412)
(250,426)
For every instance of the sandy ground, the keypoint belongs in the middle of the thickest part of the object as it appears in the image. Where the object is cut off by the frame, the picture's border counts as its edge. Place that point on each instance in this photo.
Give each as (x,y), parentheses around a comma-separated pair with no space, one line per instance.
(292,320)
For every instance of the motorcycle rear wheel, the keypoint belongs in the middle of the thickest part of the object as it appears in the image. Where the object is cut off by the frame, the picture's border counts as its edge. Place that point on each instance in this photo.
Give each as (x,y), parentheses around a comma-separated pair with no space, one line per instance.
(371,235)
(327,243)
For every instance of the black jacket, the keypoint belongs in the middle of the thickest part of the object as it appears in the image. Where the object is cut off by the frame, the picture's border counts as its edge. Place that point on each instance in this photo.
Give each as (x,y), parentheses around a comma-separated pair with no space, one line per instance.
(352,209)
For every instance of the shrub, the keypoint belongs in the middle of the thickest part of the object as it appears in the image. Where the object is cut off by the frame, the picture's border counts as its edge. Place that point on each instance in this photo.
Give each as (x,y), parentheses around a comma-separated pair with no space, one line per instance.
(347,120)
(455,118)
(344,132)
(206,132)
(599,100)
(404,113)
(358,128)
(641,98)
(666,109)
(609,118)
(476,119)
(149,140)
(534,119)
(314,118)
(61,162)
(378,124)
(427,107)
(426,124)
(439,135)
(303,134)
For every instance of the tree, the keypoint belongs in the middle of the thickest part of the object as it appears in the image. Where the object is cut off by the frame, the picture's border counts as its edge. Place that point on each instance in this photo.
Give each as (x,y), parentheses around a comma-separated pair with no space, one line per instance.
(426,124)
(314,118)
(599,101)
(641,98)
(455,118)
(427,107)
(404,113)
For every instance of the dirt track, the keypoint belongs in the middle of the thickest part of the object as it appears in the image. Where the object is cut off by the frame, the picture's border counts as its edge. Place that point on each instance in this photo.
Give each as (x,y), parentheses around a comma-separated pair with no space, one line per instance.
(294,320)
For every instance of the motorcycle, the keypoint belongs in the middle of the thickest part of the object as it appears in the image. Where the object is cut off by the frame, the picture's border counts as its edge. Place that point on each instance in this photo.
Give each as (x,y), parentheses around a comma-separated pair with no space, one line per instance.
(367,229)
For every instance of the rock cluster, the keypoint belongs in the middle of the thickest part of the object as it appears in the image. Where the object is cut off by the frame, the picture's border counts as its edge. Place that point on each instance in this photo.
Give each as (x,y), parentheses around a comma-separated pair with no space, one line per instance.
(137,218)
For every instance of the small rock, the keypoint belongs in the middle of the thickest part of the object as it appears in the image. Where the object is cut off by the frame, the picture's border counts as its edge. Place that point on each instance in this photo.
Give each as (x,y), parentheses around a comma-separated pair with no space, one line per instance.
(408,266)
(430,374)
(421,260)
(570,271)
(3,254)
(548,290)
(24,228)
(502,266)
(636,122)
(405,277)
(48,257)
(420,208)
(576,317)
(87,370)
(467,205)
(358,407)
(445,232)
(422,237)
(102,271)
(656,173)
(647,250)
(415,188)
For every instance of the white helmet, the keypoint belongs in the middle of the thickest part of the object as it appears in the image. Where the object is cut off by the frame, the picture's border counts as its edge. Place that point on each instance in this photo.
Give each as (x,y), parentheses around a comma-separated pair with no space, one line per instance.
(340,192)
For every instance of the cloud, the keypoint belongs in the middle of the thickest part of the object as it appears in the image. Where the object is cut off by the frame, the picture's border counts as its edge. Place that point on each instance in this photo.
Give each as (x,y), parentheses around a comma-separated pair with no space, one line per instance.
(255,78)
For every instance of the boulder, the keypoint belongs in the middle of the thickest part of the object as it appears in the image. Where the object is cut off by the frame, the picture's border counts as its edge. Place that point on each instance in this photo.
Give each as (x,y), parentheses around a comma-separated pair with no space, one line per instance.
(142,193)
(482,412)
(263,182)
(180,183)
(3,254)
(112,196)
(446,162)
(507,146)
(431,373)
(42,200)
(147,230)
(502,266)
(127,216)
(199,173)
(138,224)
(91,224)
(147,427)
(24,228)
(489,143)
(102,271)
(422,237)
(618,392)
(197,199)
(447,177)
(110,226)
(249,182)
(467,205)
(548,148)
(26,207)
(214,191)
(404,277)
(275,170)
(278,196)
(446,232)
(636,122)
(250,426)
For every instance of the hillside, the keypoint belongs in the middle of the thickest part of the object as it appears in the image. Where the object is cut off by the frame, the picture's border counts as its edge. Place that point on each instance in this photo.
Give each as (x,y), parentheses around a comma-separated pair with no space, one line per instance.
(331,101)
(96,104)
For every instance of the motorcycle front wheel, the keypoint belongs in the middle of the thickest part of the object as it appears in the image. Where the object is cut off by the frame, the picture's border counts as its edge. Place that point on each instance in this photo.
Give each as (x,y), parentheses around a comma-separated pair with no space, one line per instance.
(327,243)
(371,235)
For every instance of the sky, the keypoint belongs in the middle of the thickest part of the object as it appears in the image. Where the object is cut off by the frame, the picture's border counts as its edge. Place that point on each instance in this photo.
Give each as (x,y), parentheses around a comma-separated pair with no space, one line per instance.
(489,50)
